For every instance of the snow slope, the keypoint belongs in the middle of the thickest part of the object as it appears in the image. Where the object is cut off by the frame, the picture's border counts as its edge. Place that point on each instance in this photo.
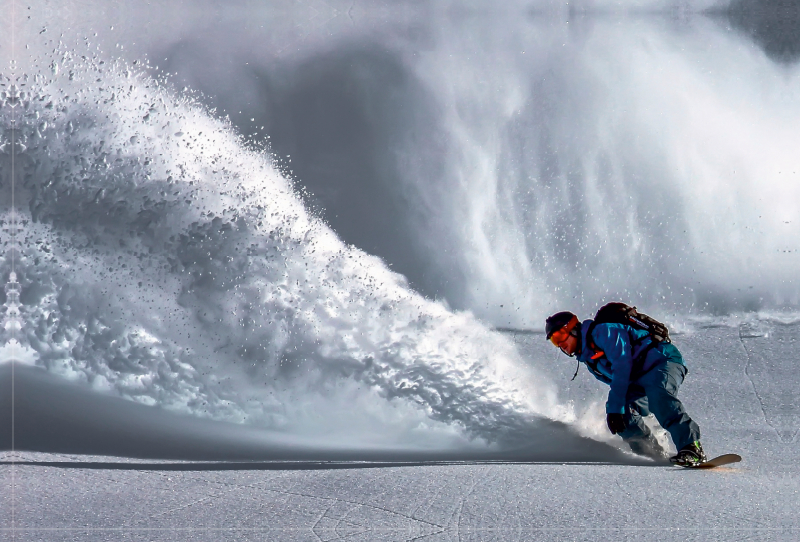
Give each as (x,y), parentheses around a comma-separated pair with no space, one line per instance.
(739,407)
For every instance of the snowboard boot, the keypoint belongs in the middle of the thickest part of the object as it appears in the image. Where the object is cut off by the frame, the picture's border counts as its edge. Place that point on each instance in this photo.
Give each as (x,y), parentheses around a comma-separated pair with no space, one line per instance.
(690,455)
(647,446)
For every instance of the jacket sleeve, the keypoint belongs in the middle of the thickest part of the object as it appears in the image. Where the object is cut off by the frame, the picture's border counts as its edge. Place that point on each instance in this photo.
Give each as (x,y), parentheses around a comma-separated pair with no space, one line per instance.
(616,343)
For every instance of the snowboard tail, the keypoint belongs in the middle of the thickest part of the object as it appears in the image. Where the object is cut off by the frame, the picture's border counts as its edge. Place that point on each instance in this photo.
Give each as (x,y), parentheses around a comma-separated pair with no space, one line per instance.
(718,461)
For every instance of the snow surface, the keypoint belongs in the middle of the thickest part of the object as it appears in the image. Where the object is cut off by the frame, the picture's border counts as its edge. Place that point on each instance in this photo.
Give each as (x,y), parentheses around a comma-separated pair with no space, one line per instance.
(740,407)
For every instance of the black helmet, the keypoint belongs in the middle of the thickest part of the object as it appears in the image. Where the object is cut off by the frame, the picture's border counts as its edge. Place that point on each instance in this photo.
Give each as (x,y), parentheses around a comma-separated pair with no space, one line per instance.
(557,321)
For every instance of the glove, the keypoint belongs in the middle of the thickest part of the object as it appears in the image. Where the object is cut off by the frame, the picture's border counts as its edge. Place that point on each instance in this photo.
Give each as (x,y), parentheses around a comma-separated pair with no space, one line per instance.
(615,423)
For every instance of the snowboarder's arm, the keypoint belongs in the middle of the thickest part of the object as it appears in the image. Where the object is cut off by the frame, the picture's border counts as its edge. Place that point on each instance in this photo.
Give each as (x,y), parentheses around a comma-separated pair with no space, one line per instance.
(615,342)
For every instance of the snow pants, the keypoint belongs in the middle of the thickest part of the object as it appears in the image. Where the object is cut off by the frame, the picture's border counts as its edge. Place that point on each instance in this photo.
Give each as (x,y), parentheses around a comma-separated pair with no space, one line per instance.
(656,391)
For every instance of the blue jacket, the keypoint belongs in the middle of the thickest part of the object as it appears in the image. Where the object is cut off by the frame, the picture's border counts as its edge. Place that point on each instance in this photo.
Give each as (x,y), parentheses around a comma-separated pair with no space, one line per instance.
(620,365)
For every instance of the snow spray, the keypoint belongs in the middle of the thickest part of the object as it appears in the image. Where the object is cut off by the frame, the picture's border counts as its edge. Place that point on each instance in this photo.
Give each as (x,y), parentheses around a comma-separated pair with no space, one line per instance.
(160,259)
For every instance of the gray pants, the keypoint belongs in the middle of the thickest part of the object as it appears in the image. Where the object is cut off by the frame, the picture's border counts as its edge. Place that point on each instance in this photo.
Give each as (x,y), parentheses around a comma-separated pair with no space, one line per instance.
(656,391)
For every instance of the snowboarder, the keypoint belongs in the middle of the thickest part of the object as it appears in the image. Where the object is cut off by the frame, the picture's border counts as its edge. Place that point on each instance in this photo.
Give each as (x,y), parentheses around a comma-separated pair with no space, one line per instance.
(644,376)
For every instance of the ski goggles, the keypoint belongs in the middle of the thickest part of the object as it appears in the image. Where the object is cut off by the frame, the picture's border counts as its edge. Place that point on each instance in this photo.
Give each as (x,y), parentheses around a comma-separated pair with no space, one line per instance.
(560,335)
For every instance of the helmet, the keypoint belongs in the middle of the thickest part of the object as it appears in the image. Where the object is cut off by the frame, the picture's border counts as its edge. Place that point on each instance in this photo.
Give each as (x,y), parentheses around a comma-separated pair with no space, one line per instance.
(565,321)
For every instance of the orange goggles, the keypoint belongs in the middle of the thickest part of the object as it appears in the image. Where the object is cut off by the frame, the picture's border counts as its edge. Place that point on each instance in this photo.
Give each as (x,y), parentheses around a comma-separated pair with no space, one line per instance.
(561,335)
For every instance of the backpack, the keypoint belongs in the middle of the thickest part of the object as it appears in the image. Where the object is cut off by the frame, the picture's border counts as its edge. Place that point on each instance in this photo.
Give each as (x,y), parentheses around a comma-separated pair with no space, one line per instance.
(620,313)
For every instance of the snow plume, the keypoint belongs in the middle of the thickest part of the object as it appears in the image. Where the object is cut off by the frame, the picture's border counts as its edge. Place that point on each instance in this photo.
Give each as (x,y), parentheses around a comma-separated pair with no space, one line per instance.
(607,162)
(161,259)
(519,163)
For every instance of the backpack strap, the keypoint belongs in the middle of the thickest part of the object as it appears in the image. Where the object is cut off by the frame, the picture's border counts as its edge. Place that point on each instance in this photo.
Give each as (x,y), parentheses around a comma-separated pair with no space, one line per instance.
(591,365)
(597,352)
(591,342)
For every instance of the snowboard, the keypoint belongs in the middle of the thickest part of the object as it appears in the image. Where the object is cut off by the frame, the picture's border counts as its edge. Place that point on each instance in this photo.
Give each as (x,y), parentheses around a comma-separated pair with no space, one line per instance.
(718,461)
